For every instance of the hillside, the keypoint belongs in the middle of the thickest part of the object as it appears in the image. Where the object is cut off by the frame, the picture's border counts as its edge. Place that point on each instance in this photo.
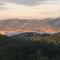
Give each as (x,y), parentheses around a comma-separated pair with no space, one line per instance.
(30,46)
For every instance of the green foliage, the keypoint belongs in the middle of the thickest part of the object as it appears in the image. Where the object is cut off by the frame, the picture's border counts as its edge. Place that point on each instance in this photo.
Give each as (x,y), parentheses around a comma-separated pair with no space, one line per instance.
(30,46)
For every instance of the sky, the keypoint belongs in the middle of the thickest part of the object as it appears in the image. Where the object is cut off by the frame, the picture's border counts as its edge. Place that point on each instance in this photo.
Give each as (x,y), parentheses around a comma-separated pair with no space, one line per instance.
(29,9)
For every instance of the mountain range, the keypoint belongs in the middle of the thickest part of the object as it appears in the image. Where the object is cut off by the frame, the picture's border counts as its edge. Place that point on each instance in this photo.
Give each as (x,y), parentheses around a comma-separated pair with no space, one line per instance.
(29,25)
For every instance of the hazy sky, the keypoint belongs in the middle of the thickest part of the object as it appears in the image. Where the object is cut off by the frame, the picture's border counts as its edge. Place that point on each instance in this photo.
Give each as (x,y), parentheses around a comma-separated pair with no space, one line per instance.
(29,8)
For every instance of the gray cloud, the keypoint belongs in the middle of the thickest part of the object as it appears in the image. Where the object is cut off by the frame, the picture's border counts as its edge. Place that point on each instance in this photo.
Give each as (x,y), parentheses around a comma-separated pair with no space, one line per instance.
(25,2)
(3,8)
(1,3)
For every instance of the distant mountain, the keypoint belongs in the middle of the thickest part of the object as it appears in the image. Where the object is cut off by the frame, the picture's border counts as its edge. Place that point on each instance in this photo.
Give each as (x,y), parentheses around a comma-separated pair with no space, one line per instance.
(29,25)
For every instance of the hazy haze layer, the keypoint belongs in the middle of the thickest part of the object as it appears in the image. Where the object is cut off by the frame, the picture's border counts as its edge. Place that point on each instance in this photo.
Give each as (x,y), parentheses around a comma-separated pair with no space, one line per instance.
(29,8)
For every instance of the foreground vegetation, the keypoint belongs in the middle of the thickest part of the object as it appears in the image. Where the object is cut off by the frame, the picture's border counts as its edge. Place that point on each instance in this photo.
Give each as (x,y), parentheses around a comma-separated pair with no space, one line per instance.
(30,46)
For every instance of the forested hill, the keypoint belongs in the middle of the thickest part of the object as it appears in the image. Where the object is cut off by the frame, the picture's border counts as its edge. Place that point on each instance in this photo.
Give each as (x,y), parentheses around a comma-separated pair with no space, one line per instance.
(30,46)
(31,36)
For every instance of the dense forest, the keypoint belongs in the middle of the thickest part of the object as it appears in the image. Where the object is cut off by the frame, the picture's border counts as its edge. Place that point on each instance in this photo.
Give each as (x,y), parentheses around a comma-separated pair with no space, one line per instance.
(30,46)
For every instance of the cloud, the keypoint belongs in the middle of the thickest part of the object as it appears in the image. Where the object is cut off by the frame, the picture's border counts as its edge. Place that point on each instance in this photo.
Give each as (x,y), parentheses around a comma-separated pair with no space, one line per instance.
(2,6)
(1,3)
(25,2)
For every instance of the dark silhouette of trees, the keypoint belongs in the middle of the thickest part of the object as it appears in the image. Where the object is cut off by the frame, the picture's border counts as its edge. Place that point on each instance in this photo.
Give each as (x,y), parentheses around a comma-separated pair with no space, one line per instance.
(28,46)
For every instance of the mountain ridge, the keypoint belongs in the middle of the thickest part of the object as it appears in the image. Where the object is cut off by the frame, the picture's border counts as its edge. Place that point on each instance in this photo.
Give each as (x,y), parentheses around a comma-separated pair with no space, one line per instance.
(27,25)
